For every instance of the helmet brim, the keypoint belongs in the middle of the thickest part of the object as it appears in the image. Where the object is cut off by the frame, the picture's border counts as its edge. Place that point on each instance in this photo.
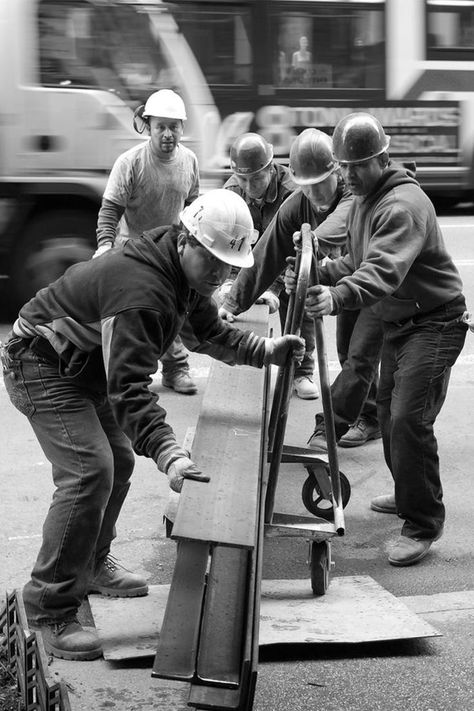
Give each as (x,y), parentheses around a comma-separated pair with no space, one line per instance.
(247,174)
(313,181)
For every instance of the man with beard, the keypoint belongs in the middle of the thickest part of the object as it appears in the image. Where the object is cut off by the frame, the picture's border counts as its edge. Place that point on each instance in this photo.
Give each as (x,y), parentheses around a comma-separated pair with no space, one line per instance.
(148,187)
(397,263)
(323,201)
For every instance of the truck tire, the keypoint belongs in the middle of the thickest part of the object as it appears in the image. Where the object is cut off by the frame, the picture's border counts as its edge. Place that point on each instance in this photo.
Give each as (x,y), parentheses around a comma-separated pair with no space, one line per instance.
(51,243)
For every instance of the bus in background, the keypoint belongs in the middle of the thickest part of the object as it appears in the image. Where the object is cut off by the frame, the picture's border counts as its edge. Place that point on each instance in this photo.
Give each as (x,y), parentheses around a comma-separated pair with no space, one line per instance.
(279,66)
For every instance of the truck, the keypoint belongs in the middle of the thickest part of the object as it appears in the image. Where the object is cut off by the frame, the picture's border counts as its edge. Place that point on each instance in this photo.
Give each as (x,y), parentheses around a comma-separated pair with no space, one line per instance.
(71,75)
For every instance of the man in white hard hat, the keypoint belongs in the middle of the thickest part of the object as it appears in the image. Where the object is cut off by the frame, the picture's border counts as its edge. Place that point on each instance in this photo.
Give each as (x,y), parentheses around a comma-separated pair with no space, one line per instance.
(78,365)
(148,187)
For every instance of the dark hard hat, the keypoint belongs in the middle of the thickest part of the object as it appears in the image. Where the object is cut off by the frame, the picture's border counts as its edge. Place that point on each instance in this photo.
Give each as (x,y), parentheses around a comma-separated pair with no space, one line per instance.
(250,153)
(311,159)
(359,137)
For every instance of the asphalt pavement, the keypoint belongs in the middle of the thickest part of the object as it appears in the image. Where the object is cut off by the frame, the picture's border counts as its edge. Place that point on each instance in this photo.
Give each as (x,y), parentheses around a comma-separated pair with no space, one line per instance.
(431,674)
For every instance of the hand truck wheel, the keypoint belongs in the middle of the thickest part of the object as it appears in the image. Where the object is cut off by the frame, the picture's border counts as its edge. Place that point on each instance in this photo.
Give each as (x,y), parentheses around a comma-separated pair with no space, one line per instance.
(320,565)
(316,500)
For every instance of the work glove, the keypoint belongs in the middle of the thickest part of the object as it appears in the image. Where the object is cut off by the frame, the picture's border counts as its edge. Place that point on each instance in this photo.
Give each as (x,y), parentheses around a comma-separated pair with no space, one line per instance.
(181,469)
(226,315)
(222,291)
(468,318)
(277,350)
(103,248)
(289,276)
(271,299)
(318,301)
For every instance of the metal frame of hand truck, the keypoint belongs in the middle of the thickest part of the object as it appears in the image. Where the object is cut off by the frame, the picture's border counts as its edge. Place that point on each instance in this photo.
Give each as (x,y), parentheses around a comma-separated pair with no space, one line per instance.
(324,475)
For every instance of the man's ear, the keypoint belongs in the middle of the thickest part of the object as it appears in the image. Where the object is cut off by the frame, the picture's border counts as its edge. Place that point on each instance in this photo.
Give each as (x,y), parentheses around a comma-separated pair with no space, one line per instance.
(181,242)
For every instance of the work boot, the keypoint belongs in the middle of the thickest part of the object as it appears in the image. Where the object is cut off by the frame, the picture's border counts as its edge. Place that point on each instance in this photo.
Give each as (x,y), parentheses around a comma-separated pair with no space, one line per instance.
(318,441)
(113,580)
(67,639)
(180,381)
(384,504)
(360,433)
(408,551)
(305,388)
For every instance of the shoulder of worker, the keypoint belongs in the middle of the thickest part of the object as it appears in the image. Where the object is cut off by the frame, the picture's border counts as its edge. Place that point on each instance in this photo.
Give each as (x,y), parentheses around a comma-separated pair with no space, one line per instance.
(395,176)
(131,155)
(281,185)
(186,153)
(284,177)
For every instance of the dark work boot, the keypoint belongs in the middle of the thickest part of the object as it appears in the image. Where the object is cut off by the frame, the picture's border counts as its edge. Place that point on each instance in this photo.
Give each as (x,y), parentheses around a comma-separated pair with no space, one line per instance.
(113,580)
(67,639)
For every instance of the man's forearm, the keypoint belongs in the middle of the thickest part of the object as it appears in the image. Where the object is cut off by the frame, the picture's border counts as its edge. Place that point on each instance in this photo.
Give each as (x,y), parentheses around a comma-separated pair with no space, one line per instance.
(107,221)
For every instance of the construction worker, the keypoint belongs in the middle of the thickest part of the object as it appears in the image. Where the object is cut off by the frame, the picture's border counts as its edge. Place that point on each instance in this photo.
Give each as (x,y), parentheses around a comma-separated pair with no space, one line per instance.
(397,263)
(148,186)
(322,201)
(264,185)
(78,365)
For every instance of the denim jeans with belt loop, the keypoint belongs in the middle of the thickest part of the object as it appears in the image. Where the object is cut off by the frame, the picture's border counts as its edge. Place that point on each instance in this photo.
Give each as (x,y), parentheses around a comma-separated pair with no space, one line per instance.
(92,461)
(359,338)
(417,358)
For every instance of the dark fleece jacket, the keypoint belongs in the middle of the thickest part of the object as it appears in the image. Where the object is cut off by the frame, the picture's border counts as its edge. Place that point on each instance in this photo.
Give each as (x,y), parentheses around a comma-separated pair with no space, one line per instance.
(111,319)
(396,256)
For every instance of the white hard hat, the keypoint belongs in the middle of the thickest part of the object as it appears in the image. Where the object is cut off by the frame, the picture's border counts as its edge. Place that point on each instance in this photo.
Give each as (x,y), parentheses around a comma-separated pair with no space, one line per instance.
(221,221)
(165,103)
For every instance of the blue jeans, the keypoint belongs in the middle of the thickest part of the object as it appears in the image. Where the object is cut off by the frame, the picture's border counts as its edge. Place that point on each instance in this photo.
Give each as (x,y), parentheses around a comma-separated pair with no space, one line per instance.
(92,461)
(176,358)
(359,337)
(416,363)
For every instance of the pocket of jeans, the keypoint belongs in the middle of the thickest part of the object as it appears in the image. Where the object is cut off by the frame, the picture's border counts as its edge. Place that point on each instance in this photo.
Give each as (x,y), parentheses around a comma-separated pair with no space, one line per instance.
(18,392)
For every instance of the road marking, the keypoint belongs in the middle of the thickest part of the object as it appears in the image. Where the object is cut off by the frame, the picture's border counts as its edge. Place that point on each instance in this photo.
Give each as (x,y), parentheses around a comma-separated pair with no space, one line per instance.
(461,601)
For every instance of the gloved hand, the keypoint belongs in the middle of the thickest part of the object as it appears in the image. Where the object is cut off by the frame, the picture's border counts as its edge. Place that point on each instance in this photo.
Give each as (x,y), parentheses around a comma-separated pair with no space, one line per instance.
(289,276)
(181,469)
(103,248)
(318,301)
(271,299)
(222,291)
(469,319)
(278,349)
(226,315)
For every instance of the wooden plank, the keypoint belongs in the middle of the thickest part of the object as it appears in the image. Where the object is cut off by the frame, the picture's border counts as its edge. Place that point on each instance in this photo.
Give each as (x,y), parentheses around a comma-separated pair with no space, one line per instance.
(224,618)
(178,643)
(227,446)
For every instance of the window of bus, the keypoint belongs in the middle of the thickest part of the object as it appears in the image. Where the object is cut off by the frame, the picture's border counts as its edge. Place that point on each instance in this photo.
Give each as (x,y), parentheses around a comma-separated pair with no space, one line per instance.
(219,38)
(450,30)
(81,44)
(336,45)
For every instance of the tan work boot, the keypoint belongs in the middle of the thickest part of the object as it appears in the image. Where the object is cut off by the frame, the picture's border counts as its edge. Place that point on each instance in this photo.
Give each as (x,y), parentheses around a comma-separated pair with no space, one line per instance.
(408,551)
(305,388)
(384,504)
(359,433)
(113,580)
(67,639)
(180,382)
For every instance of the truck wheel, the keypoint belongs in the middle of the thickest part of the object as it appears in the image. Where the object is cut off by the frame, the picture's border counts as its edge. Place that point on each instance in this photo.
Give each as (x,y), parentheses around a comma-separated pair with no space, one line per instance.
(50,244)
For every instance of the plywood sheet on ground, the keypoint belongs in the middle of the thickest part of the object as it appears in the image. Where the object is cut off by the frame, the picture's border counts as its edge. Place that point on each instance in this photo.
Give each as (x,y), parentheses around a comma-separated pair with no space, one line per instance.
(355,609)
